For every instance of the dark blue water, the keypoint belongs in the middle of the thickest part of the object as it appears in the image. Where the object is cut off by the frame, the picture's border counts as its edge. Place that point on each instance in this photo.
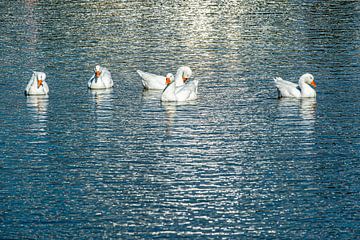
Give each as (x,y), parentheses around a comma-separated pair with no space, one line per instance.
(238,163)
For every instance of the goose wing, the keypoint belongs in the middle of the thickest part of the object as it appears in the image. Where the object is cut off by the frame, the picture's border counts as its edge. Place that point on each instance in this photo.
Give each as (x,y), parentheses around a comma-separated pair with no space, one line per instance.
(286,88)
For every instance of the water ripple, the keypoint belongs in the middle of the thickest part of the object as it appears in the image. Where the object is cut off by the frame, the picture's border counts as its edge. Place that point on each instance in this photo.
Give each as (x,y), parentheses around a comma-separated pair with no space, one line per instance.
(235,163)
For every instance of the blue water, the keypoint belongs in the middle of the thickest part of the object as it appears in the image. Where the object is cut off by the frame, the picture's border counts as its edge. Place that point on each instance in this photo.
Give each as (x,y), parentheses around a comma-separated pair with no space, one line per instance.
(237,163)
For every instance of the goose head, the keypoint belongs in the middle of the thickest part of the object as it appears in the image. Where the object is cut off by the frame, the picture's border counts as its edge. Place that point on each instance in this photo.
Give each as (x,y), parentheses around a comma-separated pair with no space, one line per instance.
(169,78)
(308,79)
(168,94)
(186,73)
(97,71)
(40,79)
(182,75)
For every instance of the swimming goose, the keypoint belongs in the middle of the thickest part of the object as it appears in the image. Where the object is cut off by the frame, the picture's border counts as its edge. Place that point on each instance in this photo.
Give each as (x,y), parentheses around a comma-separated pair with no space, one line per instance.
(186,92)
(37,84)
(300,90)
(153,81)
(101,79)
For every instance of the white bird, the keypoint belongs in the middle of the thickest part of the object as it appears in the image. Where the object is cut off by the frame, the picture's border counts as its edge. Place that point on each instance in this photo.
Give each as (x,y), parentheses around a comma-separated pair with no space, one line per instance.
(153,81)
(300,90)
(101,79)
(37,84)
(186,92)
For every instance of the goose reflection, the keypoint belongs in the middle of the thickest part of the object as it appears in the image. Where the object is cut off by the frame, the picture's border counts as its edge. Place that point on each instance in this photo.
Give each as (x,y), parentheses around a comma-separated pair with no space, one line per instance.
(299,113)
(103,108)
(151,95)
(171,112)
(38,106)
(308,109)
(102,124)
(102,97)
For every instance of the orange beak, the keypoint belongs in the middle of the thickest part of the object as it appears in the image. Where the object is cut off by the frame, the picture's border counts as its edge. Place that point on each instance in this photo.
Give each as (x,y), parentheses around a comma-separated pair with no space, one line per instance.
(39,83)
(313,84)
(167,81)
(185,79)
(97,74)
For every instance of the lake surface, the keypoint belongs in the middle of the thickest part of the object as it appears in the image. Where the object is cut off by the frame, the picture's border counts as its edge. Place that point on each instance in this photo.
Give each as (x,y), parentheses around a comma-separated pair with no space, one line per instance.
(237,163)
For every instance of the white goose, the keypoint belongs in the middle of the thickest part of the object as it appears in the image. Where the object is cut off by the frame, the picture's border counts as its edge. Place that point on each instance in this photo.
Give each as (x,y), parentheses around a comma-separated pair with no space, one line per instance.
(173,93)
(153,81)
(37,84)
(301,90)
(101,79)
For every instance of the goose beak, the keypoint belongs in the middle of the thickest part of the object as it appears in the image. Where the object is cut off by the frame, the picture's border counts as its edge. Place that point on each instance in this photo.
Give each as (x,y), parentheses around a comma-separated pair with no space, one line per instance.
(39,83)
(313,84)
(97,74)
(167,81)
(185,79)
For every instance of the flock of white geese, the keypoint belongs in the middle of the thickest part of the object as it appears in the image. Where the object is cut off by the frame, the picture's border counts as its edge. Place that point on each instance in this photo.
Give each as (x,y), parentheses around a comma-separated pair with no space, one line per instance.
(178,88)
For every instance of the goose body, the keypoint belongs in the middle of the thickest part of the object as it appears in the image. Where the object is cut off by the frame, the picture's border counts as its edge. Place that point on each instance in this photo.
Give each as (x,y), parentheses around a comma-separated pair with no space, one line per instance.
(37,84)
(152,81)
(157,82)
(101,79)
(300,90)
(183,93)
